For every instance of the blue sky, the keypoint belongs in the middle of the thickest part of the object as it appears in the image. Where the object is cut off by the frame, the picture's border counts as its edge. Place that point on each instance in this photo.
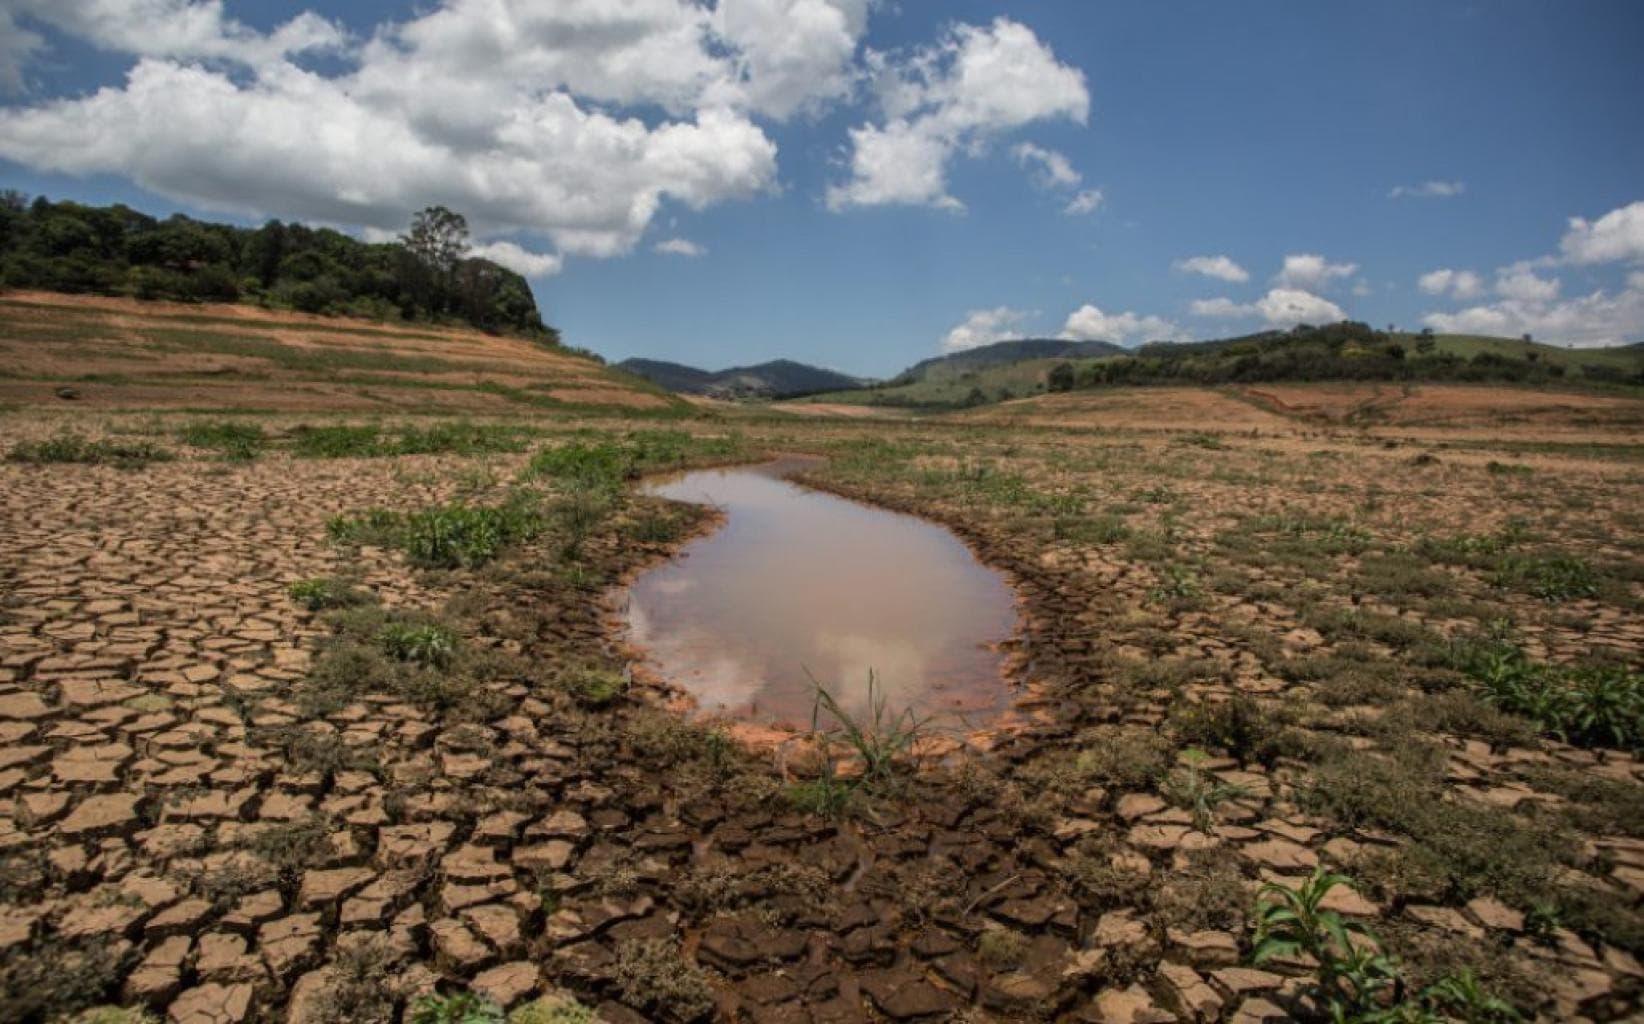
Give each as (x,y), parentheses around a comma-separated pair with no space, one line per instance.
(846,183)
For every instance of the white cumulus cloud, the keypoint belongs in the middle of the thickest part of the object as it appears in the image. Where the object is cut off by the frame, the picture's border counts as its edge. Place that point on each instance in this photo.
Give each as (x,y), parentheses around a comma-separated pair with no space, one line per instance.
(1280,307)
(1616,236)
(1519,283)
(1088,323)
(1462,284)
(984,327)
(1221,268)
(1054,168)
(974,84)
(576,121)
(1311,272)
(518,259)
(1286,307)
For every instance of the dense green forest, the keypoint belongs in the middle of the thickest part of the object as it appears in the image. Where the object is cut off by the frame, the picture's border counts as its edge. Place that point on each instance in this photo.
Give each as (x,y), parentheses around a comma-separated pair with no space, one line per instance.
(426,276)
(1346,351)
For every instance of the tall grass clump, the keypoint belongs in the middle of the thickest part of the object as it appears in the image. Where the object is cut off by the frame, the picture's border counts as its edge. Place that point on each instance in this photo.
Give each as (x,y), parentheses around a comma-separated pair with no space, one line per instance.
(78,450)
(340,441)
(879,745)
(447,536)
(234,441)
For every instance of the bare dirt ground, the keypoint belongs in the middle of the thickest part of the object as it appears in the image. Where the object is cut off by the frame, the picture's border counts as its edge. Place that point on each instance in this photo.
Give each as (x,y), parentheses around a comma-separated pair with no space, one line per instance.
(1248,658)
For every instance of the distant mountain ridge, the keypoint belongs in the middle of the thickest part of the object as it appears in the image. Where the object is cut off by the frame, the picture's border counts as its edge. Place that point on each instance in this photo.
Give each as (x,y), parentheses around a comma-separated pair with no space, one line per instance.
(779,378)
(1004,352)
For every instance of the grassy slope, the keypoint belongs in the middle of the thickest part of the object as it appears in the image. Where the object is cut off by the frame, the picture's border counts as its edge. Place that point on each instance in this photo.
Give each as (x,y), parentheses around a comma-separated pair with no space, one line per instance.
(123,352)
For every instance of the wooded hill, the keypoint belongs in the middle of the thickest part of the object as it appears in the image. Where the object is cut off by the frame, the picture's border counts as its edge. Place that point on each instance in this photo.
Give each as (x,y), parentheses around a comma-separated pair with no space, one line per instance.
(426,277)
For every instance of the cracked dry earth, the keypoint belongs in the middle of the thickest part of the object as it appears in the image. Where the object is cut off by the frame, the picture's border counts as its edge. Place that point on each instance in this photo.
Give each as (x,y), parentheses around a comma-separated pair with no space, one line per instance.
(148,656)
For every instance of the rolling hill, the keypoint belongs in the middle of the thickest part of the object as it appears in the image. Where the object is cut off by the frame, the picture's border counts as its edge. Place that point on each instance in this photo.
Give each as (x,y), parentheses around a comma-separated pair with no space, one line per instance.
(1336,352)
(109,353)
(1002,353)
(779,378)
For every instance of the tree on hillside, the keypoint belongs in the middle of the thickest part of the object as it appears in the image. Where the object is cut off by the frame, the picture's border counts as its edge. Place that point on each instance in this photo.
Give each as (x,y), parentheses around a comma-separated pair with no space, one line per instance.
(438,239)
(1061,377)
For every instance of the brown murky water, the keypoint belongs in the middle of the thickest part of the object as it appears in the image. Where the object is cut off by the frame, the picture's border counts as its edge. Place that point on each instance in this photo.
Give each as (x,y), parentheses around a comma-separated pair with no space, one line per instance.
(798,580)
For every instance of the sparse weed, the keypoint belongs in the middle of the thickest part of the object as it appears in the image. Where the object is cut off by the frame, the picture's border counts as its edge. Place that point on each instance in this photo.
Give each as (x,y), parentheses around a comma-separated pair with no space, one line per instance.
(594,686)
(558,1008)
(653,976)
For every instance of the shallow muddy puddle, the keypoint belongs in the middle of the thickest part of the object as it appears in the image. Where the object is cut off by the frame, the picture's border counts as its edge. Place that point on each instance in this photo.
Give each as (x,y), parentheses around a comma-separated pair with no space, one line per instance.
(796,583)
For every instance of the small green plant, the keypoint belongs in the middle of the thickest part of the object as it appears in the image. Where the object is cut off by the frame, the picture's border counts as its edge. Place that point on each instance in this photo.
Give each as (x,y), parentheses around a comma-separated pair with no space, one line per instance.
(1177,583)
(426,645)
(1593,704)
(1495,468)
(1355,979)
(235,441)
(1354,976)
(1461,996)
(1198,793)
(323,592)
(826,796)
(376,526)
(457,1008)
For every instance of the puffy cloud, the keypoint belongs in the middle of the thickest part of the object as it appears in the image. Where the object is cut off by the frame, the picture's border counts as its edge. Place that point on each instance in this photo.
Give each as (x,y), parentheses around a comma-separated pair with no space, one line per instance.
(1280,307)
(1220,307)
(793,55)
(1283,307)
(488,106)
(895,164)
(1519,283)
(520,260)
(1429,190)
(1220,267)
(1086,200)
(1463,284)
(974,84)
(1528,303)
(1310,272)
(18,46)
(679,247)
(1088,323)
(1618,235)
(984,327)
(1589,320)
(191,29)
